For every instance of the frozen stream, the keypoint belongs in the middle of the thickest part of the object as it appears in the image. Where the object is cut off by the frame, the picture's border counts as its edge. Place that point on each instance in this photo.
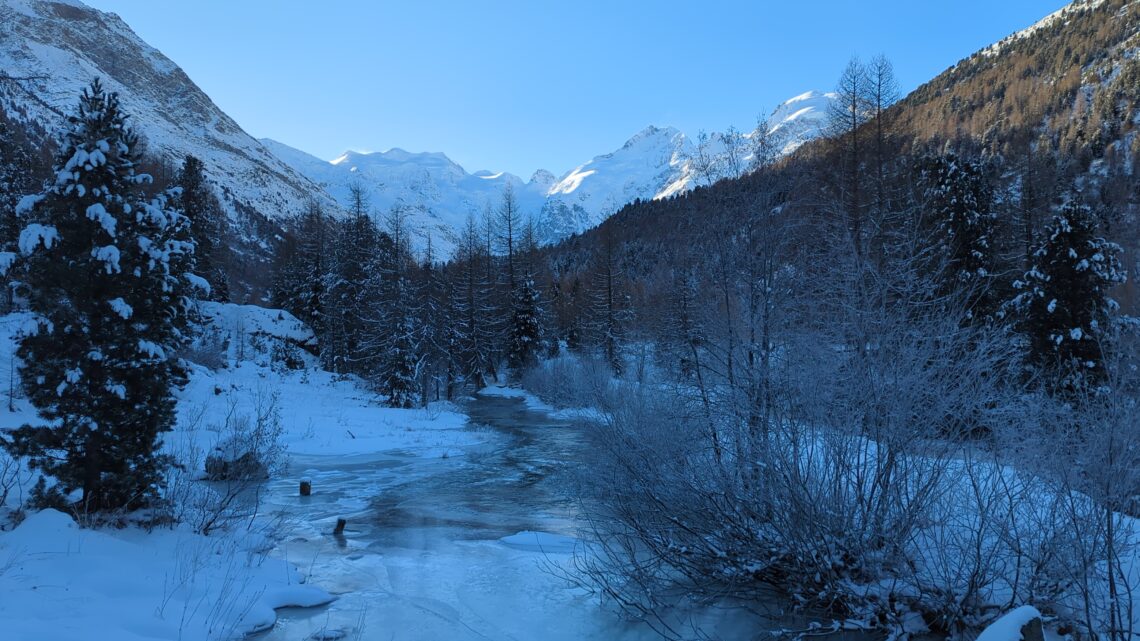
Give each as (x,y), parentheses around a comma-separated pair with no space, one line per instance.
(423,558)
(424,555)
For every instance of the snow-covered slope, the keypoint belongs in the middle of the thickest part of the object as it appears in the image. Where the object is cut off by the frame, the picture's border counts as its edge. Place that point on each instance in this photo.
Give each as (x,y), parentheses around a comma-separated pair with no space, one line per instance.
(800,119)
(63,45)
(655,163)
(436,194)
(1048,21)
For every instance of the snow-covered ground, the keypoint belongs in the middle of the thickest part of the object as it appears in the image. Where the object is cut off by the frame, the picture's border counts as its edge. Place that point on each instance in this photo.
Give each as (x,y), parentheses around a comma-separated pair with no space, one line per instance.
(61,581)
(452,531)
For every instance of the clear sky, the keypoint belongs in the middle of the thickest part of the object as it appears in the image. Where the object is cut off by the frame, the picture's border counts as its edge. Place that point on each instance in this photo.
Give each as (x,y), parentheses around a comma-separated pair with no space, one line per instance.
(518,85)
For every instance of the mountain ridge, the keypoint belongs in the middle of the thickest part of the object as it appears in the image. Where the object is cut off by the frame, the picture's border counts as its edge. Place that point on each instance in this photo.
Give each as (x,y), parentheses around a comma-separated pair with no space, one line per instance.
(655,162)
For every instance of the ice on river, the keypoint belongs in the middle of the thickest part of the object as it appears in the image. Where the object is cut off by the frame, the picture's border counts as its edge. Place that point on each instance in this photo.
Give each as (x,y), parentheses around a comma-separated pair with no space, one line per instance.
(541,542)
(457,548)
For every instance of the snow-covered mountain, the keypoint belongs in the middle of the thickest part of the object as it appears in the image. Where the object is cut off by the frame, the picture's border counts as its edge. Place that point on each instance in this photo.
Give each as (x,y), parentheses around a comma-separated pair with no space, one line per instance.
(435,193)
(61,45)
(58,46)
(800,119)
(656,162)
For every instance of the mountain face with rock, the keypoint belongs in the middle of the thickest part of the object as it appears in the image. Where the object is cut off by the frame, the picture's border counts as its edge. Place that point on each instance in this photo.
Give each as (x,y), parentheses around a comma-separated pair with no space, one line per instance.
(51,50)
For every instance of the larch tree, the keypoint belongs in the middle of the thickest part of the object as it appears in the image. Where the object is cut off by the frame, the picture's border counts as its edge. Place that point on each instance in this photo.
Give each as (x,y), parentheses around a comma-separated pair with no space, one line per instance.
(847,114)
(105,277)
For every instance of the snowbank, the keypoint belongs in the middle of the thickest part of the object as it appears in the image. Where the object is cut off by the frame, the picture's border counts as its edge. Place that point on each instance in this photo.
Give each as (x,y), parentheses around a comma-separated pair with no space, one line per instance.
(1009,627)
(63,582)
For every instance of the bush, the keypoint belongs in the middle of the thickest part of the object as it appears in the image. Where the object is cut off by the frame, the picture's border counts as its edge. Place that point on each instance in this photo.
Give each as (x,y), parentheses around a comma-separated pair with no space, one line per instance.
(222,488)
(570,381)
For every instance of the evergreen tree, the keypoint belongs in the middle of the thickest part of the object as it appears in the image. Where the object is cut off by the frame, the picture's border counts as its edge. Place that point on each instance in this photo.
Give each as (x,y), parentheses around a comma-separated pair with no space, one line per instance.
(1065,300)
(104,276)
(472,305)
(207,225)
(526,331)
(353,290)
(303,269)
(610,309)
(525,339)
(437,333)
(962,204)
(402,363)
(17,168)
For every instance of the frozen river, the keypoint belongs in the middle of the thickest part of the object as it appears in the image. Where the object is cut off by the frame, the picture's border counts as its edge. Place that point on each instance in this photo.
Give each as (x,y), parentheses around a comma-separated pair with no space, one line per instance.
(433,549)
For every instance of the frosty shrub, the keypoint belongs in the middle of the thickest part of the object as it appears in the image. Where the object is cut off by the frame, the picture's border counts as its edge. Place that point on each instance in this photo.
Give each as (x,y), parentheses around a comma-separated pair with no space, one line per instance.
(222,487)
(210,349)
(569,380)
(862,495)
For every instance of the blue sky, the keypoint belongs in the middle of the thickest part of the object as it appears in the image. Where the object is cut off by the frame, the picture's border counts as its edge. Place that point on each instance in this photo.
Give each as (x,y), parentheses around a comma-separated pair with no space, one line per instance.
(527,84)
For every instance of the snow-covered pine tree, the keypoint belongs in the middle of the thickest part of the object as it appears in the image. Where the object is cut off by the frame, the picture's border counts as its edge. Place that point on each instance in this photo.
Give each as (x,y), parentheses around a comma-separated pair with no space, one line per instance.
(1065,299)
(16,180)
(525,339)
(437,335)
(397,313)
(303,268)
(526,330)
(208,226)
(472,304)
(962,207)
(104,276)
(401,362)
(353,289)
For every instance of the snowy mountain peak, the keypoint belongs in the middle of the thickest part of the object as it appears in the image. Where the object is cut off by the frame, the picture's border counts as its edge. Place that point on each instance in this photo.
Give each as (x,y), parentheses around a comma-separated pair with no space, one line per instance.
(543,178)
(394,156)
(800,119)
(650,135)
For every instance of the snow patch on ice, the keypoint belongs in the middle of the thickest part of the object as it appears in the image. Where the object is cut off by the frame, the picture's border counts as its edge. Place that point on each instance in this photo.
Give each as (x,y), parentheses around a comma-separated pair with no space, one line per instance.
(541,542)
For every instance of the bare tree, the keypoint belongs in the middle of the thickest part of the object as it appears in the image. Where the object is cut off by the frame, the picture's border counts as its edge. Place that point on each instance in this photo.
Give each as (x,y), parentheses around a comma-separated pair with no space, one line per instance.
(846,117)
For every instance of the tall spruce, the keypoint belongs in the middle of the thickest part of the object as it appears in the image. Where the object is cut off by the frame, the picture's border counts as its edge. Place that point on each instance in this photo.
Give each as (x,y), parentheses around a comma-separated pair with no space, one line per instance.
(962,202)
(17,168)
(105,278)
(207,225)
(401,365)
(1066,303)
(526,329)
(472,297)
(353,289)
(303,269)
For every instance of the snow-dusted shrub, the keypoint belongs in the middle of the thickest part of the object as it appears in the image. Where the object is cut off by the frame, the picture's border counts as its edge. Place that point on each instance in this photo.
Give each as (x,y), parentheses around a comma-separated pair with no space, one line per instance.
(218,485)
(210,349)
(858,495)
(569,380)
